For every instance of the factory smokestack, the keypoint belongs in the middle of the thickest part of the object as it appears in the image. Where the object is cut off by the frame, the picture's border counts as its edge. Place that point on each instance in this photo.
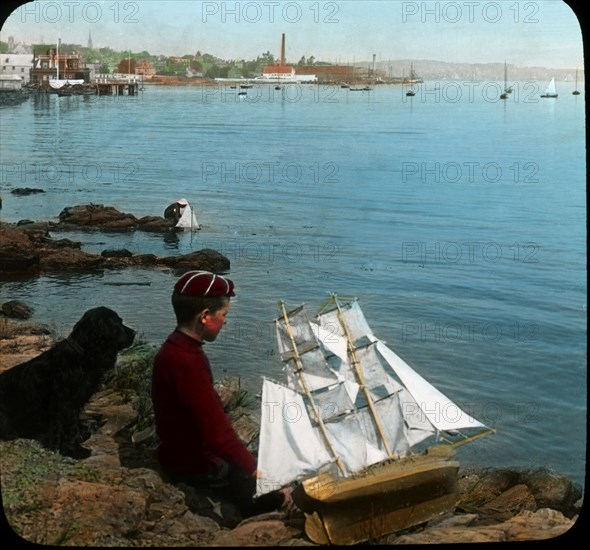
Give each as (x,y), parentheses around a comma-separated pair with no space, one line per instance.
(283,50)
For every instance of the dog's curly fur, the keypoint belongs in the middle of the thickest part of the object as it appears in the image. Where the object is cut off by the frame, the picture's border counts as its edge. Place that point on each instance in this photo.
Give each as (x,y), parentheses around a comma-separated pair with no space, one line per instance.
(42,398)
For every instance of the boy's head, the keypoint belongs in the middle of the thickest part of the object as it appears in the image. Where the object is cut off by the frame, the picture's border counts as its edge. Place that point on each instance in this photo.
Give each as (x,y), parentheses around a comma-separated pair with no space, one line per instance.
(197,291)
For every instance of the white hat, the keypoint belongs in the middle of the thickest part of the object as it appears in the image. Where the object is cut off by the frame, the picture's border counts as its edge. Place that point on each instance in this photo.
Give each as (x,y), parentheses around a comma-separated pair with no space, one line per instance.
(182,202)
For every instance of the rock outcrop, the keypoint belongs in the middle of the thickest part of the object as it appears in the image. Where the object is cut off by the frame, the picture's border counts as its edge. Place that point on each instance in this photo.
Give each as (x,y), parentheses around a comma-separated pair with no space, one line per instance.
(100,502)
(27,191)
(16,309)
(119,497)
(108,217)
(30,249)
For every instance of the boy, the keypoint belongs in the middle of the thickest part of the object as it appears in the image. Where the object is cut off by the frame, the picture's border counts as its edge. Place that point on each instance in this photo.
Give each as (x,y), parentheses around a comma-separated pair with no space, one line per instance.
(198,444)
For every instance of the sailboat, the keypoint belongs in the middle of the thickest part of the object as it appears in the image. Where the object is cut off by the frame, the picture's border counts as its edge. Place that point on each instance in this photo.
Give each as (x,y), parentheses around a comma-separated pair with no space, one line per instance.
(576,92)
(550,91)
(370,441)
(414,79)
(507,90)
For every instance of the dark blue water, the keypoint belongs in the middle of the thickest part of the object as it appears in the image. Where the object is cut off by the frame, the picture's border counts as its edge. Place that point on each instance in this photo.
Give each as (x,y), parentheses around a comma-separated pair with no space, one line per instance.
(458,220)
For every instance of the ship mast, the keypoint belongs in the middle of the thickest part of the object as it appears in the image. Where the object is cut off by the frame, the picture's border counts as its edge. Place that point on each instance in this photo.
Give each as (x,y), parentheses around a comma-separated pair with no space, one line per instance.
(361,377)
(57,56)
(299,371)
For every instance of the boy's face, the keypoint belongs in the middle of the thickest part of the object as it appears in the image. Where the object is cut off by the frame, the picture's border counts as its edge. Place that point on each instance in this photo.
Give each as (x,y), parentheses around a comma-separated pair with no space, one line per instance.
(213,322)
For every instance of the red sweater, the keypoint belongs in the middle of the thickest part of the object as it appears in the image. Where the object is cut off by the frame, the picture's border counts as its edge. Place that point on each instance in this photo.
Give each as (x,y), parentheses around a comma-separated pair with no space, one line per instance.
(192,426)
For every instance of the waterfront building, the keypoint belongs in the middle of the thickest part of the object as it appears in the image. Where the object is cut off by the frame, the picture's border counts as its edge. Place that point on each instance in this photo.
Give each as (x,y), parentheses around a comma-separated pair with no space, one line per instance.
(51,64)
(14,64)
(145,68)
(327,73)
(287,74)
(283,73)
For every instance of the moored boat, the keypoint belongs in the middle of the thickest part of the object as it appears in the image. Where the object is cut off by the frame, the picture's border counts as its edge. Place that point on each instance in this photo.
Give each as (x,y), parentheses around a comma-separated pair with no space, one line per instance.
(576,91)
(551,90)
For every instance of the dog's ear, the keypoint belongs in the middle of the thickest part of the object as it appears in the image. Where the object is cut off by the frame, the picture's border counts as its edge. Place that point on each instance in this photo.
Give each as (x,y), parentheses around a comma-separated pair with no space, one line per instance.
(97,325)
(82,329)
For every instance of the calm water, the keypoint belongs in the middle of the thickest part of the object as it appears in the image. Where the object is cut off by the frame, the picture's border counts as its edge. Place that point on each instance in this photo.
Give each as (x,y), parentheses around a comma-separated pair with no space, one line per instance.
(458,220)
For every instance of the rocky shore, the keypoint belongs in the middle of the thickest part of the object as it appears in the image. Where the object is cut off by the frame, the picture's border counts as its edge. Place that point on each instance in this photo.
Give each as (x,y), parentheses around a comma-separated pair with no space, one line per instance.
(119,497)
(31,247)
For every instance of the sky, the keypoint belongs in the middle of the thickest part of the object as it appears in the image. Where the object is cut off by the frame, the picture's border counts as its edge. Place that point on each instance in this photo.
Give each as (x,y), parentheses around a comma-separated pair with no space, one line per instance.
(542,33)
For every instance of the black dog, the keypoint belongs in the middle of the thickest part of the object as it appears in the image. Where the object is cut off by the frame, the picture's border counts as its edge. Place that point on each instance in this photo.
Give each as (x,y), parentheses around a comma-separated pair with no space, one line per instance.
(42,399)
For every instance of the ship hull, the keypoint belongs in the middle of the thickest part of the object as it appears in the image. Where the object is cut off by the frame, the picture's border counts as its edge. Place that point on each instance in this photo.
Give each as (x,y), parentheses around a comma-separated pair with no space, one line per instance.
(387,498)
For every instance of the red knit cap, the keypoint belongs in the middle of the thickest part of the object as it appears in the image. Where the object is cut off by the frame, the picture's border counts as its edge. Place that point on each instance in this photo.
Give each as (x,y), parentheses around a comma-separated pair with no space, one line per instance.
(204,283)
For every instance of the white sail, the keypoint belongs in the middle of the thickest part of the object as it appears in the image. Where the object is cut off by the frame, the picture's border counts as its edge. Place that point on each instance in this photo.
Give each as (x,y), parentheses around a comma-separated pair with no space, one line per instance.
(354,318)
(551,89)
(290,447)
(317,373)
(362,402)
(440,411)
(431,400)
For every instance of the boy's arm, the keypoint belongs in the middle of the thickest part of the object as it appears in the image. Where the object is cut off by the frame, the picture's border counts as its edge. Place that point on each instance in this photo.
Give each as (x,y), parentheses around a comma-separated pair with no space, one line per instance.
(198,395)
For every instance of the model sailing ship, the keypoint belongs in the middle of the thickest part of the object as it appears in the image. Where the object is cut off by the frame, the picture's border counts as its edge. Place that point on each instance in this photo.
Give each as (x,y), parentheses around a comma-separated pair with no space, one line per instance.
(370,440)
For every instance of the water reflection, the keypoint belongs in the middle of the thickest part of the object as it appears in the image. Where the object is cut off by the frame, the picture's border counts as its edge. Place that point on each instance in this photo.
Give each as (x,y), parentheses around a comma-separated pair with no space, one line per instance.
(171,240)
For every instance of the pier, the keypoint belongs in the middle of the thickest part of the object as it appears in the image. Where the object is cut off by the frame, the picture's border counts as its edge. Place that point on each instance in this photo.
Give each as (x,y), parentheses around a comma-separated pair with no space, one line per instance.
(116,86)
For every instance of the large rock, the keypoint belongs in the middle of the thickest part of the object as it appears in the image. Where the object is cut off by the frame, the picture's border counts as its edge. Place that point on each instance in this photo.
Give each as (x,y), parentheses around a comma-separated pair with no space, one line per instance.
(552,490)
(69,259)
(513,488)
(108,217)
(97,215)
(206,258)
(17,309)
(27,191)
(509,503)
(17,252)
(525,526)
(265,530)
(153,223)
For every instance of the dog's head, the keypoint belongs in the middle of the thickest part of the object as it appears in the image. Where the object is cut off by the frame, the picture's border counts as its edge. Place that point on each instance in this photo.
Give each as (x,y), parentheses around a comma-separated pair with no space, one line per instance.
(102,328)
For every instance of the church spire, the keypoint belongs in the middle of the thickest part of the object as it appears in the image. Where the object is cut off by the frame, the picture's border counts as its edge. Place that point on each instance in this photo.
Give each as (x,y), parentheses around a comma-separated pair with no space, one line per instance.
(89,40)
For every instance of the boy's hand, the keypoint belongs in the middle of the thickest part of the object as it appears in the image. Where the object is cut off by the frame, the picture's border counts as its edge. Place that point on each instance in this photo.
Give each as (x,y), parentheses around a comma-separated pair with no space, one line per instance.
(288,505)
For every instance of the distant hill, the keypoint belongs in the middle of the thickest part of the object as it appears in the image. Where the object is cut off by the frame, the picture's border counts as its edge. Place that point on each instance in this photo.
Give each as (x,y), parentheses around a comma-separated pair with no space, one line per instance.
(439,70)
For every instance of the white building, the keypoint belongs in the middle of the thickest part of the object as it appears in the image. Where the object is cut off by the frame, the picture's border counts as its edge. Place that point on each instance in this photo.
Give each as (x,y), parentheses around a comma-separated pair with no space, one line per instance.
(284,74)
(10,82)
(16,64)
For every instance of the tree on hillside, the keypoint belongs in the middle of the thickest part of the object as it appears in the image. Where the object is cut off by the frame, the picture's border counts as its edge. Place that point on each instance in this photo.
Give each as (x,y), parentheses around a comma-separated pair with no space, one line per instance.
(126,66)
(267,58)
